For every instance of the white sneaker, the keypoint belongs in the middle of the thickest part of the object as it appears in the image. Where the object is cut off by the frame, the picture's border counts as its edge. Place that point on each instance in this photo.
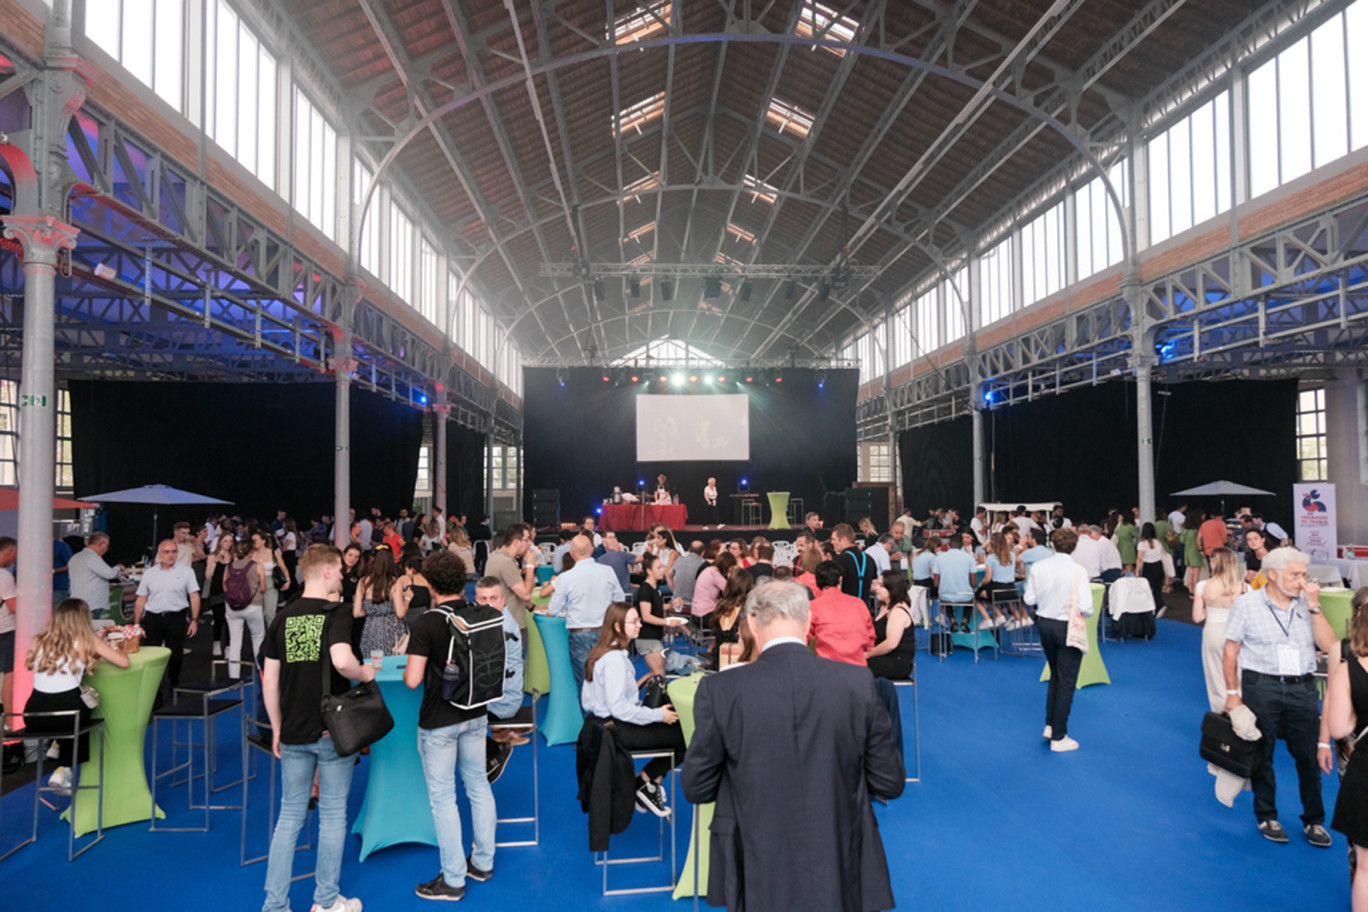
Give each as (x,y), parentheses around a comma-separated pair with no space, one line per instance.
(1048,733)
(343,904)
(60,781)
(1027,622)
(1013,624)
(1064,744)
(987,625)
(999,621)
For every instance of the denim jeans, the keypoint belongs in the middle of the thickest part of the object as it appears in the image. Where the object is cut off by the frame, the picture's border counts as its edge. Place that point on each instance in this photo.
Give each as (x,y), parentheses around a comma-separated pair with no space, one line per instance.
(442,750)
(297,765)
(581,644)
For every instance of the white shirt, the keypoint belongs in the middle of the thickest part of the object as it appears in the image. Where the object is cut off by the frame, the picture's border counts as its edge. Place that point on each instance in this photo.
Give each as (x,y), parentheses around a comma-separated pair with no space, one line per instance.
(710,495)
(60,681)
(1277,531)
(612,694)
(167,590)
(8,591)
(1052,581)
(1176,520)
(367,530)
(662,496)
(1147,554)
(979,528)
(1023,523)
(90,578)
(1110,556)
(1088,555)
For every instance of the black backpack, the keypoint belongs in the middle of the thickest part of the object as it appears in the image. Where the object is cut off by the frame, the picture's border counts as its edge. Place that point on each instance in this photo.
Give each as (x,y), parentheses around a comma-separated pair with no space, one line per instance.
(474,673)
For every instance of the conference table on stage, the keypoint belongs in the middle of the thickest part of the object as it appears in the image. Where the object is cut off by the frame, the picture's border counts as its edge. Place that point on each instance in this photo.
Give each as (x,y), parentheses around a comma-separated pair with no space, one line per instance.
(640,517)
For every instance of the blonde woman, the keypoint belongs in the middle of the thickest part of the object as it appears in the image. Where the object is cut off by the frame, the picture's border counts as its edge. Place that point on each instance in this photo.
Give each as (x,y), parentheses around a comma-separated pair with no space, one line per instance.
(460,546)
(1211,608)
(59,657)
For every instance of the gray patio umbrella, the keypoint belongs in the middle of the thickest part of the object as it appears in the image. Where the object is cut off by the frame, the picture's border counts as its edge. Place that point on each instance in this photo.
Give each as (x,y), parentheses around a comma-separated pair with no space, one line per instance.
(1223,489)
(157,495)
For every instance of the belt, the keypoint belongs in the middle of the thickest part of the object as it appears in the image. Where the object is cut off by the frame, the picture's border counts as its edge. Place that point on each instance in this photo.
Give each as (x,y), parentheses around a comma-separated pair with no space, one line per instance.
(1285,679)
(583,629)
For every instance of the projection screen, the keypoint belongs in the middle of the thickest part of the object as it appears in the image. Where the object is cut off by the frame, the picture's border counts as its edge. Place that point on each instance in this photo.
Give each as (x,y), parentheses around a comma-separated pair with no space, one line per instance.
(692,428)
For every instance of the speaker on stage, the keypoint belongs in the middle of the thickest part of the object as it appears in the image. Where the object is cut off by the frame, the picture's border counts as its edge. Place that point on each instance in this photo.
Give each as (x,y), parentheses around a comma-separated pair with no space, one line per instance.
(546,507)
(856,504)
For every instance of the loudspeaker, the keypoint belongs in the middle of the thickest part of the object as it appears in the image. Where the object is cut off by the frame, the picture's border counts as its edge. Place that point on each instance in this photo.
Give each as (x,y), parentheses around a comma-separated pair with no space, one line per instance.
(856,503)
(546,507)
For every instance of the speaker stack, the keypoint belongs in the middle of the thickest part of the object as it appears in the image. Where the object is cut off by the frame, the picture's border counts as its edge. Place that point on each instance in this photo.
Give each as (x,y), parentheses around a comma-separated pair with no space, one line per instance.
(856,504)
(546,507)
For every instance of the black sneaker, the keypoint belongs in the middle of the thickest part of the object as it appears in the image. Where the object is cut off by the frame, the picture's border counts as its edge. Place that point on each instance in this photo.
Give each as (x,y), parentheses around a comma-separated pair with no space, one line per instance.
(650,799)
(440,889)
(1317,836)
(1273,831)
(474,873)
(495,767)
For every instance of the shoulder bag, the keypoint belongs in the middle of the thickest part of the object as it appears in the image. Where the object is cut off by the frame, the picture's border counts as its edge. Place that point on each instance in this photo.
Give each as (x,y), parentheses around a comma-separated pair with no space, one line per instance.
(1077,637)
(1221,746)
(357,718)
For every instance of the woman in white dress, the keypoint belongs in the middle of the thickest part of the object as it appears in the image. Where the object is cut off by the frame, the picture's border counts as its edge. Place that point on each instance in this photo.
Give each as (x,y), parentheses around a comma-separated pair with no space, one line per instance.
(269,558)
(1211,607)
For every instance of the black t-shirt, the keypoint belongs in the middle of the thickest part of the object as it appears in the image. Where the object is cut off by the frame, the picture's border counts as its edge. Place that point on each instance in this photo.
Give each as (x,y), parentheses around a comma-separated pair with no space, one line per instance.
(760,572)
(1252,562)
(300,638)
(857,573)
(430,637)
(649,596)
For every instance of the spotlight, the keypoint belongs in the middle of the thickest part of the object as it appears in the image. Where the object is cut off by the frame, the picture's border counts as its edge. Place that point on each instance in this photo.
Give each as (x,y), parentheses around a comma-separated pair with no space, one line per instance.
(607,379)
(823,292)
(790,290)
(635,285)
(636,378)
(721,379)
(667,289)
(745,482)
(779,377)
(750,379)
(600,292)
(712,288)
(641,484)
(422,400)
(745,292)
(693,378)
(598,510)
(821,379)
(560,376)
(663,378)
(678,379)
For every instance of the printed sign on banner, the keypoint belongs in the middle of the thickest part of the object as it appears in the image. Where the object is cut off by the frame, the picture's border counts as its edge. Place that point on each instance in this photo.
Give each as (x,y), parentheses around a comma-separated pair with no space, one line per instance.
(1313,505)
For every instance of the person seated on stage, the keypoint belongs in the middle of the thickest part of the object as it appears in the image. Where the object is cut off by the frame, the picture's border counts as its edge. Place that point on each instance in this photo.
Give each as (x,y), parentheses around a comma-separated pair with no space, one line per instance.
(727,620)
(813,522)
(611,692)
(953,573)
(841,626)
(712,580)
(763,567)
(663,495)
(617,557)
(895,652)
(999,576)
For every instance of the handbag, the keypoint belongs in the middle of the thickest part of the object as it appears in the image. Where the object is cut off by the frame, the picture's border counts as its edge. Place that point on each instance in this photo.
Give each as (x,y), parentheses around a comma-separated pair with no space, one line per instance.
(355,719)
(90,696)
(1221,746)
(278,578)
(1077,637)
(656,695)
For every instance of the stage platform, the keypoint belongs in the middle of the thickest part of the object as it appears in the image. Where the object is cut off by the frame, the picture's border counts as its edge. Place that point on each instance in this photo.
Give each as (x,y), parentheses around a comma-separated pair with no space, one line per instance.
(689,533)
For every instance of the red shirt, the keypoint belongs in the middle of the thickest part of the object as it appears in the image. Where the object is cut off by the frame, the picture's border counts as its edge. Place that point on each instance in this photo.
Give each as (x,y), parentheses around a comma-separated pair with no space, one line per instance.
(1211,535)
(842,627)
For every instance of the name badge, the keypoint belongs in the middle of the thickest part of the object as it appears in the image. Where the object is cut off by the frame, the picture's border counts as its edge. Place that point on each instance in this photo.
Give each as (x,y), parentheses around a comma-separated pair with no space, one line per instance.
(1289,662)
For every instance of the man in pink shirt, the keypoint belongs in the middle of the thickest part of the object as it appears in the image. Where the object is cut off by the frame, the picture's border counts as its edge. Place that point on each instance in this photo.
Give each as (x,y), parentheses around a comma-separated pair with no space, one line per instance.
(841,624)
(1211,535)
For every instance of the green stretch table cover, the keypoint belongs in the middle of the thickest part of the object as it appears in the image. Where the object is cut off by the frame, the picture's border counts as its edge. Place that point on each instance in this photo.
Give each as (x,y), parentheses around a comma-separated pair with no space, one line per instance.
(1093,670)
(395,808)
(563,719)
(126,697)
(682,692)
(779,509)
(1338,606)
(536,675)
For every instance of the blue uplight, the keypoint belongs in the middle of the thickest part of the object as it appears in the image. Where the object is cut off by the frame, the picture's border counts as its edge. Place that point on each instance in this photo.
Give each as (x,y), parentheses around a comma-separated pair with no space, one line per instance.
(598,510)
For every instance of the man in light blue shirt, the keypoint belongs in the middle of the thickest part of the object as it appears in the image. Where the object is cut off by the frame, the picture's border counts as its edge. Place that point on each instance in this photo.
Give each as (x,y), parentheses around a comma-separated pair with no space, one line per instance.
(583,593)
(954,572)
(1033,552)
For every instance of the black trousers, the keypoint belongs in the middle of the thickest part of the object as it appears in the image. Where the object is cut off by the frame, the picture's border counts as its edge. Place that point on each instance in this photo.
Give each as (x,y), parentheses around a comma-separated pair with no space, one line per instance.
(66,701)
(1064,663)
(1289,712)
(168,629)
(655,736)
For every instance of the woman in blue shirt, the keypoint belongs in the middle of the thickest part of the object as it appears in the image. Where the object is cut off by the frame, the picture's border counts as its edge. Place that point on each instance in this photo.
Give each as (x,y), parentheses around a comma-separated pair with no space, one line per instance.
(999,575)
(922,566)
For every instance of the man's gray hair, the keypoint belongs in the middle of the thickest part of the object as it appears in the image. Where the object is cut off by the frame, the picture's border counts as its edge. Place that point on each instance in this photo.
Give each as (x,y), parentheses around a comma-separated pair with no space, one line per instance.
(1279,558)
(778,601)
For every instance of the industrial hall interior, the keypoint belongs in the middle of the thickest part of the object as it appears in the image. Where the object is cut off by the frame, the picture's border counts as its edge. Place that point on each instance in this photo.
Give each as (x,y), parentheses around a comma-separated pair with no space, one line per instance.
(740,274)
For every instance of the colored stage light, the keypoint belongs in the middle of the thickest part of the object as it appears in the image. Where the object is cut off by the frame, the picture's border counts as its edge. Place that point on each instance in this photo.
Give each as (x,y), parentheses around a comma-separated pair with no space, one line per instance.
(693,378)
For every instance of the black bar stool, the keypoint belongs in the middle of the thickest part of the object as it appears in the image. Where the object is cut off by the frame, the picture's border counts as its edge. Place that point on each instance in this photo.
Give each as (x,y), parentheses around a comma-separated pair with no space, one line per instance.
(203,707)
(94,726)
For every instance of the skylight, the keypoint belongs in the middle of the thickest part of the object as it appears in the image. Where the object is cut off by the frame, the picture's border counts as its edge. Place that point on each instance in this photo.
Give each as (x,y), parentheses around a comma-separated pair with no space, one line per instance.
(759,190)
(641,185)
(741,234)
(789,117)
(640,114)
(638,233)
(641,23)
(667,352)
(821,21)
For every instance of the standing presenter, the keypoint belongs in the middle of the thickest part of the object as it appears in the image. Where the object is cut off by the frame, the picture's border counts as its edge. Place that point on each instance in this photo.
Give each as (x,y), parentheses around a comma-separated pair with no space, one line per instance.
(710,498)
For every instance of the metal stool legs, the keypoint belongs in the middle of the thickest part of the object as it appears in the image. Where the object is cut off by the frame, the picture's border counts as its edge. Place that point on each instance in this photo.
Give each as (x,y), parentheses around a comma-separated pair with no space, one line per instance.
(516,722)
(96,726)
(916,727)
(601,858)
(263,745)
(205,709)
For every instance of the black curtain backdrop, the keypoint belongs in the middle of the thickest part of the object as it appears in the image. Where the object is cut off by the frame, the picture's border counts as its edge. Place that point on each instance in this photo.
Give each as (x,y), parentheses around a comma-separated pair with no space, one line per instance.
(264,447)
(1080,448)
(580,438)
(465,472)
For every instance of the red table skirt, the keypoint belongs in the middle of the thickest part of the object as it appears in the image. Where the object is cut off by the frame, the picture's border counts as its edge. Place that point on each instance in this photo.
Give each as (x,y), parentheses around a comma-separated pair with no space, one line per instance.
(638,518)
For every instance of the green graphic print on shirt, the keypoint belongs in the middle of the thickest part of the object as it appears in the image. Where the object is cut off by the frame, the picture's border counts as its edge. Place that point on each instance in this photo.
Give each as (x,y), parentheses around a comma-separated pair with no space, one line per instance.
(303,637)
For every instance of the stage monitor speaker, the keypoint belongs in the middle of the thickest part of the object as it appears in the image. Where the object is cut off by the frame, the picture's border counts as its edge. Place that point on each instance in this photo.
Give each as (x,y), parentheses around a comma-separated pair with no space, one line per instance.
(546,495)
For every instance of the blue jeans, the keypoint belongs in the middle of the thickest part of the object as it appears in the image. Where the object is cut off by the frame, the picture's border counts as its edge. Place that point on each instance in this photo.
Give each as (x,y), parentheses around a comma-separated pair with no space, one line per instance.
(581,644)
(442,749)
(297,765)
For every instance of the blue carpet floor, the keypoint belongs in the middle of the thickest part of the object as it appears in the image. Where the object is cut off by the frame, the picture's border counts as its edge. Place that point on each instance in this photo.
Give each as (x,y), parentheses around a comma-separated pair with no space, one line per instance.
(998,822)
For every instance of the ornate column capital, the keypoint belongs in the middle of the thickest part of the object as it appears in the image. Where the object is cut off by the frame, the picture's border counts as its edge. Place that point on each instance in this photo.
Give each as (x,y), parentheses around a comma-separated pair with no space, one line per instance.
(343,366)
(41,237)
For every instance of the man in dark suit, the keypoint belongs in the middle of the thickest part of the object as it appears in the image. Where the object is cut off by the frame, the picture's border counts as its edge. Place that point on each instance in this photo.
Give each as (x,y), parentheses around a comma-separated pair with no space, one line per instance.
(793,828)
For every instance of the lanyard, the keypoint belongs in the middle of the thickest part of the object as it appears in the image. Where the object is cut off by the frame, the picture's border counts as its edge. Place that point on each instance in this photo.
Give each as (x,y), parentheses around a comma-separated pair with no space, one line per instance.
(1273,611)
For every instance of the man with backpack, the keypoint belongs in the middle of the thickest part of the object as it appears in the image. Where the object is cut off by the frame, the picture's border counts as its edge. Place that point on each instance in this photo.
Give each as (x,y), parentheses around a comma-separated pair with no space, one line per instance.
(456,653)
(311,634)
